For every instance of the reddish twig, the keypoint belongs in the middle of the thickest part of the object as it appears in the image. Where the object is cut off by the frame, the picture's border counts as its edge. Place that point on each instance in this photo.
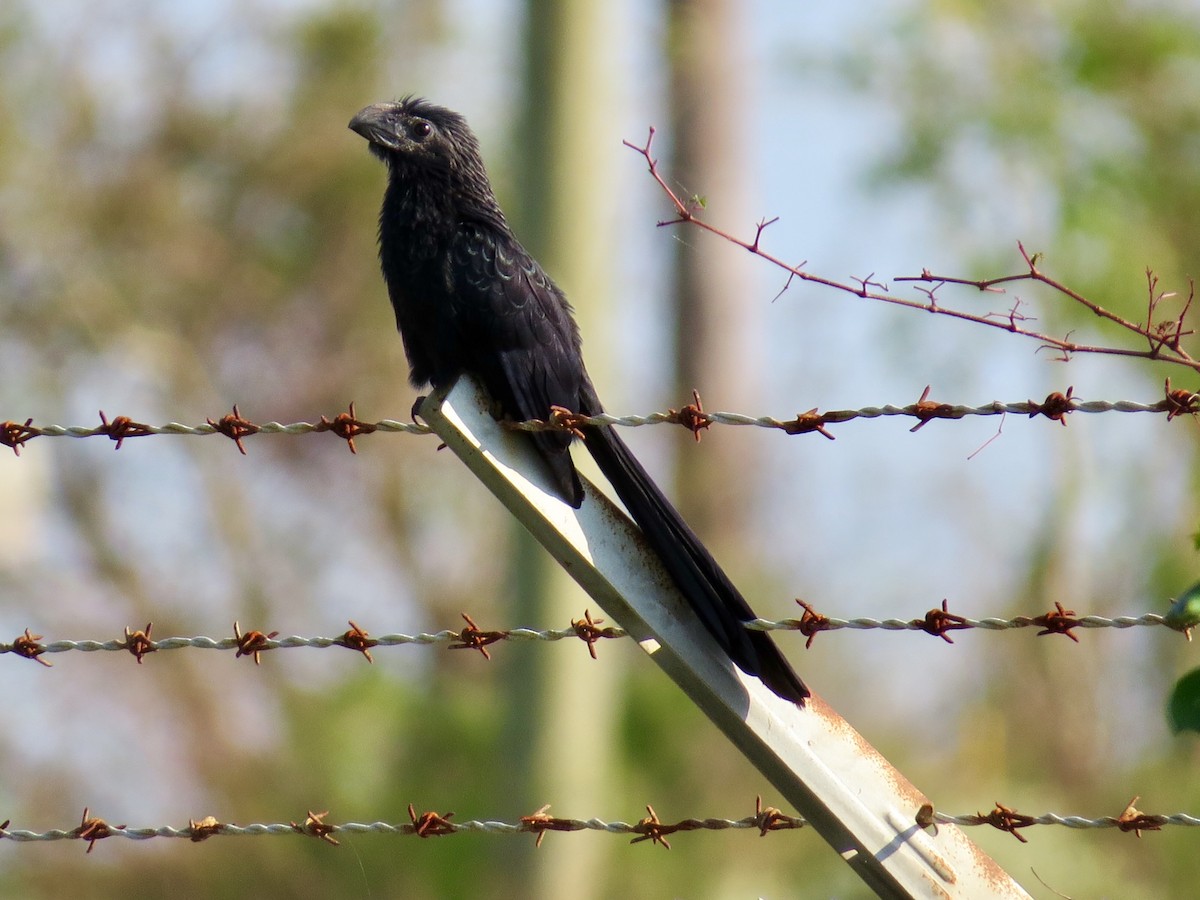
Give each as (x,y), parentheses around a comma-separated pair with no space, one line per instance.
(1163,340)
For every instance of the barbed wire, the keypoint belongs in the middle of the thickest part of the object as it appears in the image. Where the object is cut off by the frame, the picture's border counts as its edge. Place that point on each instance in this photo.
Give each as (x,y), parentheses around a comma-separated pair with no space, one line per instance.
(1056,407)
(938,622)
(651,828)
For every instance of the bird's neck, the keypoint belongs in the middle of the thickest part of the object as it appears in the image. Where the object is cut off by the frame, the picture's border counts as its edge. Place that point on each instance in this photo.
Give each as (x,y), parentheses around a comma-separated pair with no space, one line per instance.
(416,218)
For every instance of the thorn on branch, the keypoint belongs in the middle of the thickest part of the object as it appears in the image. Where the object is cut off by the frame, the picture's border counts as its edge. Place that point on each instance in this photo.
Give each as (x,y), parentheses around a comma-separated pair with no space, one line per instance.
(13,434)
(811,623)
(1031,261)
(139,643)
(472,638)
(692,417)
(235,427)
(865,284)
(346,426)
(27,645)
(120,428)
(806,422)
(938,621)
(252,643)
(763,225)
(1058,621)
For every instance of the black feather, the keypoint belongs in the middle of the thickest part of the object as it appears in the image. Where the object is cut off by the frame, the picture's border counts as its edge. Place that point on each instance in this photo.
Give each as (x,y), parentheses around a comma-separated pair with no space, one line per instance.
(470,299)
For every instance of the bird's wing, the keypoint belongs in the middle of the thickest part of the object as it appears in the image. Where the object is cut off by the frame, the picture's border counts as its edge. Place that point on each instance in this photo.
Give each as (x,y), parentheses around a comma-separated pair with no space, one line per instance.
(518,337)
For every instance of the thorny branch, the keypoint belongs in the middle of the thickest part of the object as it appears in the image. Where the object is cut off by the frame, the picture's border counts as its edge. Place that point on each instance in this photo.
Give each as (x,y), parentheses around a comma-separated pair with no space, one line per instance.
(1163,337)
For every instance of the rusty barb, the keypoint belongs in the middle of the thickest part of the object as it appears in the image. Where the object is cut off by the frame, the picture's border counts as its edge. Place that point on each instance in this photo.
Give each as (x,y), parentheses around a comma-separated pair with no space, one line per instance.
(938,621)
(139,643)
(315,826)
(692,417)
(430,824)
(347,426)
(472,638)
(357,639)
(1174,402)
(589,630)
(650,828)
(92,829)
(252,643)
(235,427)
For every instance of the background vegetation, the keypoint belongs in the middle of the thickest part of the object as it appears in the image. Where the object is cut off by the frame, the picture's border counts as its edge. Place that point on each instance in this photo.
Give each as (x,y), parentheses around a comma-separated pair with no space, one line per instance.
(185,223)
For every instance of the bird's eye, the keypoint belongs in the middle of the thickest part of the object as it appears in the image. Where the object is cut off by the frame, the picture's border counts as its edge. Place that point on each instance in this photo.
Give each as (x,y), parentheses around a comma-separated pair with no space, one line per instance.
(421,130)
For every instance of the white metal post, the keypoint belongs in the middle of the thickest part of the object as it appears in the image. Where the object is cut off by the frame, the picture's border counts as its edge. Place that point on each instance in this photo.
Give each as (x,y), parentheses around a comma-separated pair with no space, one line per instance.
(863,807)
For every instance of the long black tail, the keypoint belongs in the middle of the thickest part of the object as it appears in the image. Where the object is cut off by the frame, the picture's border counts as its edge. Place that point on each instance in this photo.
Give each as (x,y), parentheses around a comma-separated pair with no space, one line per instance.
(719,604)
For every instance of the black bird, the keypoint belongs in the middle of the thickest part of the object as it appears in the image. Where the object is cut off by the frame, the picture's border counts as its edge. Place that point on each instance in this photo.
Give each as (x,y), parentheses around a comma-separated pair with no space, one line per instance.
(470,299)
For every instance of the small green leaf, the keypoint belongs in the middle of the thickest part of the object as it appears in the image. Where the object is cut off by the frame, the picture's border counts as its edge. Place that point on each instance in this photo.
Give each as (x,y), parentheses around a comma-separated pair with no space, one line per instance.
(1185,612)
(1183,710)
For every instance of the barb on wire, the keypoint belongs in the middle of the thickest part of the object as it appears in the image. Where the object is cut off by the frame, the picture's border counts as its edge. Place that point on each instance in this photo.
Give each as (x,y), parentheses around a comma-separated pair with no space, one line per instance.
(1162,337)
(936,622)
(471,638)
(315,826)
(766,819)
(1174,403)
(139,643)
(252,643)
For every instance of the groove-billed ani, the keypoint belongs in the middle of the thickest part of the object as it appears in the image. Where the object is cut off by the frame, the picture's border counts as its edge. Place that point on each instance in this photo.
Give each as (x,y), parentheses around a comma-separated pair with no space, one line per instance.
(470,299)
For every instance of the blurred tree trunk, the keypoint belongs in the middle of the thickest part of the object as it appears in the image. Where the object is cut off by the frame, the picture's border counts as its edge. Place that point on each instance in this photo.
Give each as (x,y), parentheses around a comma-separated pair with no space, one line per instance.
(561,730)
(717,317)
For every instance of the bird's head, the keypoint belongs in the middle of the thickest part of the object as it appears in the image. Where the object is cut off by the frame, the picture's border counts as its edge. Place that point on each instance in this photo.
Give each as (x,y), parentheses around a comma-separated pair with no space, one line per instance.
(415,132)
(433,146)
